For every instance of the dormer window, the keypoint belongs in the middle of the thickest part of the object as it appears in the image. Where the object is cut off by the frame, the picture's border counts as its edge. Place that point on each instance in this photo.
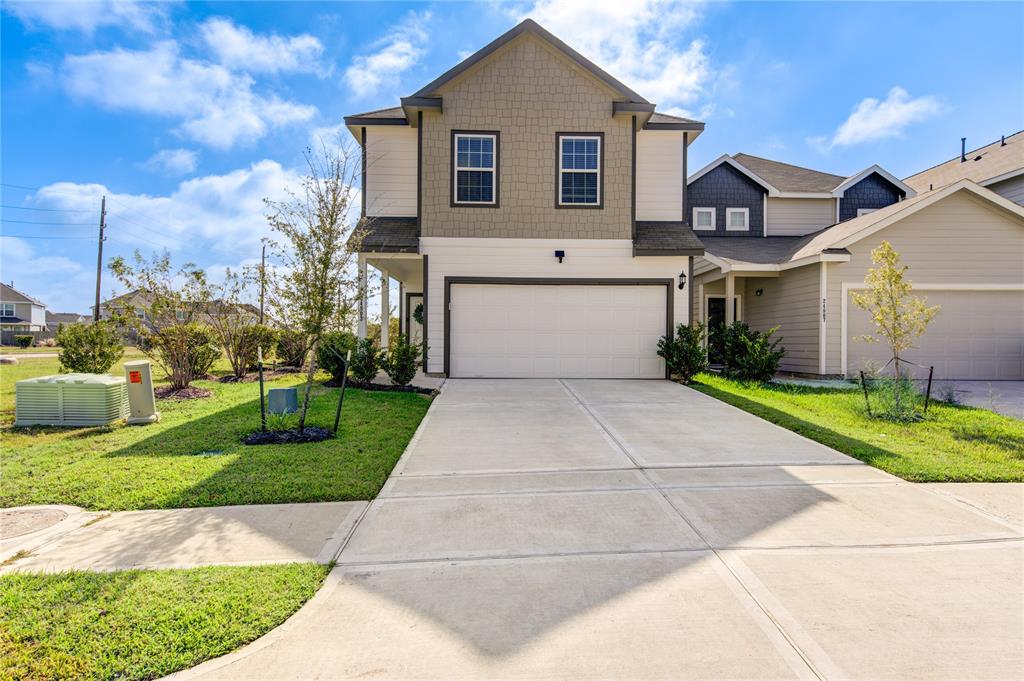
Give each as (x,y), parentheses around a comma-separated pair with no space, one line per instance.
(737,219)
(580,162)
(704,218)
(475,169)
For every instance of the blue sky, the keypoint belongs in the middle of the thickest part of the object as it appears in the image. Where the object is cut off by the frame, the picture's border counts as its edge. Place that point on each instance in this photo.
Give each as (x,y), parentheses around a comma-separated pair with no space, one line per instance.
(187,114)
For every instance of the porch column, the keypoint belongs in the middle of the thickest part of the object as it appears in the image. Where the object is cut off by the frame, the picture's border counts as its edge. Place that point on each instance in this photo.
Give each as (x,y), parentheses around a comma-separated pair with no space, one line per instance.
(361,326)
(385,308)
(730,298)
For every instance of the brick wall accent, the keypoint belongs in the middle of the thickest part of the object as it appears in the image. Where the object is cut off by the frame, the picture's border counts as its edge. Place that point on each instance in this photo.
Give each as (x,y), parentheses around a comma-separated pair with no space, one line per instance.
(528,93)
(725,187)
(874,191)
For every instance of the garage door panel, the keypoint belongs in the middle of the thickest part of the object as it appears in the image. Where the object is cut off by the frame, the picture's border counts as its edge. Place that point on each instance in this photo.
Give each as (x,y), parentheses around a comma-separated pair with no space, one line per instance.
(977,335)
(572,331)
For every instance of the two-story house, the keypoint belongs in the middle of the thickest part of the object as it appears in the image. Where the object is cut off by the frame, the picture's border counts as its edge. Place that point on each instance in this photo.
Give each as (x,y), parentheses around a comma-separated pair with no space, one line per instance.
(787,246)
(20,311)
(534,205)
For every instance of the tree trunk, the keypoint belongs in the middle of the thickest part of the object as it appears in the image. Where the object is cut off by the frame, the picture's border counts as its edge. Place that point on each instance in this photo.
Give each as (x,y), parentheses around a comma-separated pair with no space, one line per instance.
(899,385)
(309,385)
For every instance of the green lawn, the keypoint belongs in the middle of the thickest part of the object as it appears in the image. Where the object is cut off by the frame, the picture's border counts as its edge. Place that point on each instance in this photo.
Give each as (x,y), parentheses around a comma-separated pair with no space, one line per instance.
(141,624)
(952,444)
(194,456)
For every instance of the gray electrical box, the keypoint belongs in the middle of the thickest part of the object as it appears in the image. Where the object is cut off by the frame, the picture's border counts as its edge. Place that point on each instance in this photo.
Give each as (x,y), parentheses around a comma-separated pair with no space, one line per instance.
(141,400)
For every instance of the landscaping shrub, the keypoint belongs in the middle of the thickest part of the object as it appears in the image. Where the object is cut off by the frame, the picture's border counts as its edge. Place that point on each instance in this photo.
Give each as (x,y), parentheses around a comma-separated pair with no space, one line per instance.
(750,355)
(291,348)
(331,352)
(895,399)
(185,351)
(401,359)
(46,343)
(684,354)
(365,361)
(24,341)
(242,346)
(89,348)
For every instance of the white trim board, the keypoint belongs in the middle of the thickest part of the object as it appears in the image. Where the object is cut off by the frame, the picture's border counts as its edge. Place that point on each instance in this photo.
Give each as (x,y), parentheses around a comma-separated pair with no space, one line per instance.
(852,286)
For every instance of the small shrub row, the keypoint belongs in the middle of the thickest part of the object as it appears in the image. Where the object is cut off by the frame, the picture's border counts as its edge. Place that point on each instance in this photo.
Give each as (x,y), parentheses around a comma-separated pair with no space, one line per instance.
(747,355)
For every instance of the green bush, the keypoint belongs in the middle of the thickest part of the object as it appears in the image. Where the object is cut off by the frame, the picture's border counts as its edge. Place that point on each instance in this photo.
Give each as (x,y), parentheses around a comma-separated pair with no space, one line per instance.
(185,351)
(331,352)
(685,355)
(24,341)
(401,359)
(253,339)
(750,355)
(291,348)
(894,400)
(89,348)
(365,361)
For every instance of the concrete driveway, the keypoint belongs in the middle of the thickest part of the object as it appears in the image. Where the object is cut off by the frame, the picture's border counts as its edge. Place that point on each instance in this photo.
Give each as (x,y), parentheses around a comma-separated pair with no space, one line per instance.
(640,530)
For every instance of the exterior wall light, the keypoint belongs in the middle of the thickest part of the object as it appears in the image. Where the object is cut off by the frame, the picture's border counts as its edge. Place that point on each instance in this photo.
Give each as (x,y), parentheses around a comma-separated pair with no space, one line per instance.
(559,255)
(682,280)
(759,292)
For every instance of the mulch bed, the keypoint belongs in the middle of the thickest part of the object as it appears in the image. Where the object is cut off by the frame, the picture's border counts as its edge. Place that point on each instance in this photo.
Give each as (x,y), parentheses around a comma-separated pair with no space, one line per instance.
(381,387)
(252,377)
(288,437)
(166,392)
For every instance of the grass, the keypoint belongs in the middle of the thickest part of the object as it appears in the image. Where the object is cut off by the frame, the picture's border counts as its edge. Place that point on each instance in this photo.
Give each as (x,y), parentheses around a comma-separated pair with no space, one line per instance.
(194,455)
(141,624)
(953,443)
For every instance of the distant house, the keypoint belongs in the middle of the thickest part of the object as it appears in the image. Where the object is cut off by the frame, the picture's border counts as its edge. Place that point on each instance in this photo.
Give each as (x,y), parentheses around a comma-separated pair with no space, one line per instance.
(20,311)
(138,304)
(55,319)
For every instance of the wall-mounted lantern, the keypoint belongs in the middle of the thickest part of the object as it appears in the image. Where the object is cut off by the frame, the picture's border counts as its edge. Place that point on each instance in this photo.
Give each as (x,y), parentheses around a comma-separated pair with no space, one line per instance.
(682,280)
(759,292)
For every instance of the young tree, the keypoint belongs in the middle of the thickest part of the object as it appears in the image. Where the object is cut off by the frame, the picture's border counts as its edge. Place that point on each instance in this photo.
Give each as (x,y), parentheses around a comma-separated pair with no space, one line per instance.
(314,279)
(899,317)
(237,323)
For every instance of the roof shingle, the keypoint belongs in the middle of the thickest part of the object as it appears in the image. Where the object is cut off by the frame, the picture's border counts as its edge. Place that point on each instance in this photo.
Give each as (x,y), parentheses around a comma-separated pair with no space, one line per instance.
(790,178)
(666,238)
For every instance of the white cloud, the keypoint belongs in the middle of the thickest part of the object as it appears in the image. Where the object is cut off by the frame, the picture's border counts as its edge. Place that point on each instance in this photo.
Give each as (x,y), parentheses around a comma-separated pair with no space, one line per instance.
(172,161)
(873,120)
(217,107)
(238,47)
(88,15)
(58,281)
(394,53)
(637,42)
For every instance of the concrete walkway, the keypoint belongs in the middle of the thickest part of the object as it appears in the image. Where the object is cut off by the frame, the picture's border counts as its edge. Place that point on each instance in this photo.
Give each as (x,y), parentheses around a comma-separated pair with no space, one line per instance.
(641,530)
(1004,397)
(188,537)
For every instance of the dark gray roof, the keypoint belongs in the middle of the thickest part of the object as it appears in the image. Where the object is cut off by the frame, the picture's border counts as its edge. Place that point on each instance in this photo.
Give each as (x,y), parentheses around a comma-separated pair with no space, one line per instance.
(658,117)
(387,235)
(789,178)
(761,250)
(666,238)
(391,116)
(11,320)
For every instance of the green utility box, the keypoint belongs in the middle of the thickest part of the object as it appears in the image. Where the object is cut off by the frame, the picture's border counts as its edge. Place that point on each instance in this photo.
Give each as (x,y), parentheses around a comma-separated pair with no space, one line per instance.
(70,400)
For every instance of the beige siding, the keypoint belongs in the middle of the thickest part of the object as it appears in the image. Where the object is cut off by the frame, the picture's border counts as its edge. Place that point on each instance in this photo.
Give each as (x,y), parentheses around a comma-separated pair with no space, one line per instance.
(390,170)
(1012,189)
(659,175)
(958,241)
(527,92)
(790,302)
(793,217)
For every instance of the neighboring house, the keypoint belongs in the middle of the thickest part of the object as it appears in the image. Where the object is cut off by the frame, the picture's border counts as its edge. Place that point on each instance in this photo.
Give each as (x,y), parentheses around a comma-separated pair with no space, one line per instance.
(998,166)
(134,302)
(55,319)
(20,311)
(535,206)
(138,303)
(963,243)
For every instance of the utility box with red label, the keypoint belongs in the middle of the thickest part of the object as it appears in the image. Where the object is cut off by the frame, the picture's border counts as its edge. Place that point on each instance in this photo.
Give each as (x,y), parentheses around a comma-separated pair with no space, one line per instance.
(141,400)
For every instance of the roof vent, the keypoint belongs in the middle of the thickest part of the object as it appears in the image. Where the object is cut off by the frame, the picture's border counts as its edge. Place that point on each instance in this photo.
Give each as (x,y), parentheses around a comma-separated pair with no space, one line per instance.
(1002,140)
(963,149)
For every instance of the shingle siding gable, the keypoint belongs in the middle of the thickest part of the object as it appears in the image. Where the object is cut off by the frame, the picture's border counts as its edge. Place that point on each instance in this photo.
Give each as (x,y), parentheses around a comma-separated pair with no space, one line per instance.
(873,192)
(725,187)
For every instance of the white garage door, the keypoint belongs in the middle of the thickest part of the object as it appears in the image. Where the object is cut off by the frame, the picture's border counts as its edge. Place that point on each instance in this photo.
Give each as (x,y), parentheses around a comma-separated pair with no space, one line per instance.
(563,331)
(977,335)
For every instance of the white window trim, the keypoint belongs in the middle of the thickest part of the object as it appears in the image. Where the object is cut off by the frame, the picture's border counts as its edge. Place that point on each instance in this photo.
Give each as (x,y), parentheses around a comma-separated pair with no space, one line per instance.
(728,219)
(714,218)
(562,171)
(3,310)
(492,170)
(865,211)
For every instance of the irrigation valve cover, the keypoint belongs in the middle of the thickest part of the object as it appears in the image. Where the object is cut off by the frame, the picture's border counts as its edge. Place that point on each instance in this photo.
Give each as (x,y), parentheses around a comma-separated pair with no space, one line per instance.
(141,400)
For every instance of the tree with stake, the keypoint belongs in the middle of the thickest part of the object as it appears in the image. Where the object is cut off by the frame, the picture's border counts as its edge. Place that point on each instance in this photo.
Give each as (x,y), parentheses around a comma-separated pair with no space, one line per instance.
(315,249)
(899,317)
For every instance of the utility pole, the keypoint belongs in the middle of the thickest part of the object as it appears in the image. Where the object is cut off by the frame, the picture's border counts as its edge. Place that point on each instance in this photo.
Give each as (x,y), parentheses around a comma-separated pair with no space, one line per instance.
(263,279)
(99,258)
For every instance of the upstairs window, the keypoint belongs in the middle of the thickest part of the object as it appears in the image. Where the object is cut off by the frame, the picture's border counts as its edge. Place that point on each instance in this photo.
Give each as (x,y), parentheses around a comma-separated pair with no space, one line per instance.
(475,169)
(579,170)
(704,218)
(6,309)
(737,219)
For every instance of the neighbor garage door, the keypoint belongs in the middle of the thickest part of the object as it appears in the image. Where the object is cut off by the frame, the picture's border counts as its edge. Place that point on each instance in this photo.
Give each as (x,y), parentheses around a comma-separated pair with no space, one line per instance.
(556,331)
(977,335)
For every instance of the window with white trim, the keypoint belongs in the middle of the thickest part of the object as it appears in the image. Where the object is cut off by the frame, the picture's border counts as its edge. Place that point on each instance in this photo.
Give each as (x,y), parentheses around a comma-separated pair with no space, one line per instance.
(737,219)
(865,211)
(704,218)
(6,309)
(579,170)
(476,163)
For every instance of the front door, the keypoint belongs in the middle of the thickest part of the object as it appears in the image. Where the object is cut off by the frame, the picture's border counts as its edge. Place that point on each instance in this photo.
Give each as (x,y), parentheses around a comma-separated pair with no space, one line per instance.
(715,316)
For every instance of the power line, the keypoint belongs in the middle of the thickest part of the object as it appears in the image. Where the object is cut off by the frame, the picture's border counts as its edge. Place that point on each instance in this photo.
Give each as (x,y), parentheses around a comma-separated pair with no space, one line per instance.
(55,224)
(49,210)
(28,236)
